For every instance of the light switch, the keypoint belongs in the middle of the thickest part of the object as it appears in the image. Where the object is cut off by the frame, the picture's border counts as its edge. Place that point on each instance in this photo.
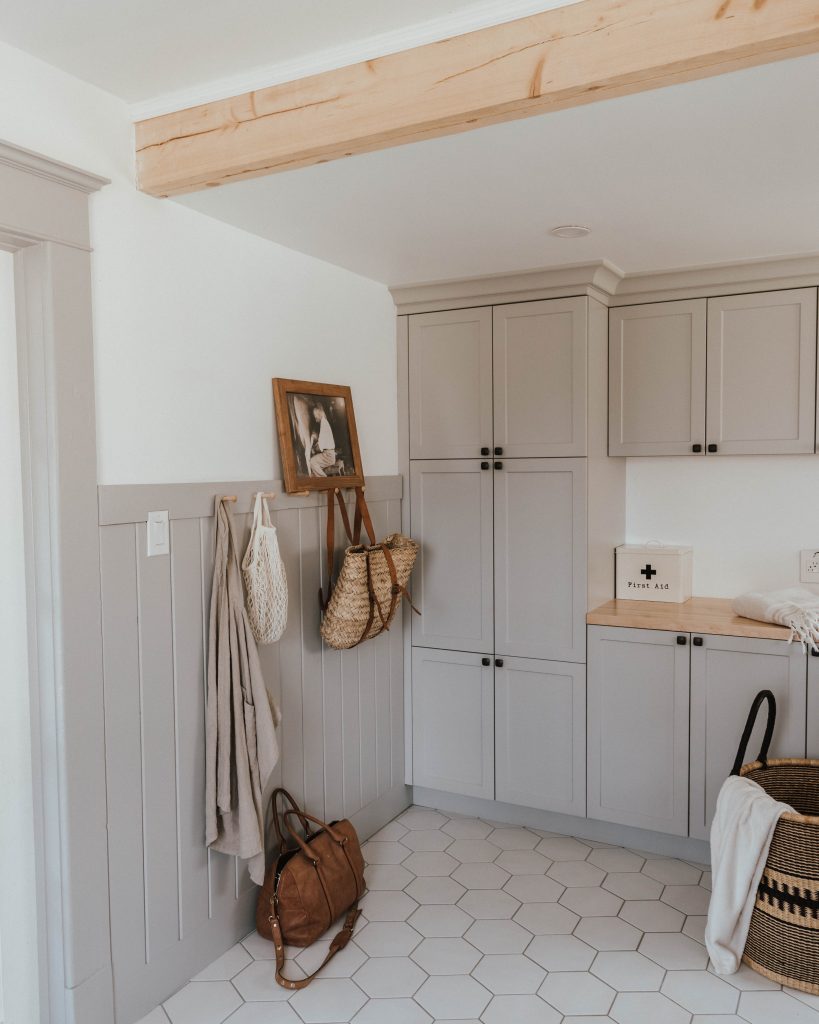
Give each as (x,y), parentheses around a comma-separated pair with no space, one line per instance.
(159,536)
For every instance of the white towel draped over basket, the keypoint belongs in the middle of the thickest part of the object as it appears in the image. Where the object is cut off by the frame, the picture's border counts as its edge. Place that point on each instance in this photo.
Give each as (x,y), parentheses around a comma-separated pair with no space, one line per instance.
(241,749)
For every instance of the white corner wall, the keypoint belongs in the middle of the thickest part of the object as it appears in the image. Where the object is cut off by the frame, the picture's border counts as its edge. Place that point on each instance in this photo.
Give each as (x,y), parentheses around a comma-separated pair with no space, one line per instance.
(192,317)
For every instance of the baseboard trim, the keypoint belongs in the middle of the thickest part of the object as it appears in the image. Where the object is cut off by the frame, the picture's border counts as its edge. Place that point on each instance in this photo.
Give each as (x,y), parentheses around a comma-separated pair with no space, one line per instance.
(382,810)
(696,850)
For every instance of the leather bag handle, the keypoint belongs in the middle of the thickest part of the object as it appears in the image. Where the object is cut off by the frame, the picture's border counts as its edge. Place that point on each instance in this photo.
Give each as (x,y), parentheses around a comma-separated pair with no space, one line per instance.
(763,695)
(305,849)
(339,942)
(294,808)
(362,515)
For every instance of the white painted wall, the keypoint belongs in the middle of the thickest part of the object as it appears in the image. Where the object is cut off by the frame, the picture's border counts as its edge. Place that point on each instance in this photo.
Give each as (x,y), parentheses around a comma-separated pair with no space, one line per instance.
(745,516)
(192,318)
(18,938)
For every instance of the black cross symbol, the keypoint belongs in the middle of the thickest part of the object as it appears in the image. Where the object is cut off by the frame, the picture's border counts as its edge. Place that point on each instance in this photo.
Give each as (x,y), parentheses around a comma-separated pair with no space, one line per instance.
(648,572)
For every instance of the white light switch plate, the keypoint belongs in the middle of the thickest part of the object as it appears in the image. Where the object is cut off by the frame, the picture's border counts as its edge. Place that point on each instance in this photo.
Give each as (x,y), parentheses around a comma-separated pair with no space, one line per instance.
(809,565)
(159,534)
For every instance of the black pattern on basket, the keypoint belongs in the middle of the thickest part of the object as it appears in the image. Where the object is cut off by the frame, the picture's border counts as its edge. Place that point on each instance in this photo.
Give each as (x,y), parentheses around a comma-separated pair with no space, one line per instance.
(783,938)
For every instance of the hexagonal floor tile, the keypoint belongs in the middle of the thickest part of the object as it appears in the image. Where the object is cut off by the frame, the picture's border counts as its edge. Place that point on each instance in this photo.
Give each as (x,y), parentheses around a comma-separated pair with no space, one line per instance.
(674,951)
(563,849)
(419,817)
(387,905)
(534,889)
(546,919)
(388,938)
(560,953)
(694,927)
(387,876)
(652,916)
(671,872)
(765,1007)
(481,876)
(446,956)
(426,840)
(390,977)
(430,864)
(257,982)
(473,851)
(523,862)
(396,1011)
(327,1000)
(513,839)
(607,933)
(747,980)
(489,904)
(435,890)
(509,974)
(453,997)
(259,947)
(613,859)
(226,966)
(257,1013)
(577,992)
(384,853)
(440,921)
(690,899)
(344,964)
(647,1008)
(467,828)
(520,1010)
(498,937)
(389,833)
(628,972)
(700,992)
(591,901)
(576,873)
(203,1002)
(632,885)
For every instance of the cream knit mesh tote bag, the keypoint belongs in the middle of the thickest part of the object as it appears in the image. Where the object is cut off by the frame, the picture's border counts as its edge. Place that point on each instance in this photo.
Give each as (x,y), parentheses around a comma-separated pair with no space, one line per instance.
(265,578)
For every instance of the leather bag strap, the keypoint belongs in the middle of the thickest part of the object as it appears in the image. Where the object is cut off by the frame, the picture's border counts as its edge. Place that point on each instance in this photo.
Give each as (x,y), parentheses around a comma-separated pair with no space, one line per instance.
(281,792)
(338,943)
(330,545)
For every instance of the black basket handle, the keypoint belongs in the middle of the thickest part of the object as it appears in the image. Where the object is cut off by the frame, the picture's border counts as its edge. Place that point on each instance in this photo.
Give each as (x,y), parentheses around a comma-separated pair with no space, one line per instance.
(763,695)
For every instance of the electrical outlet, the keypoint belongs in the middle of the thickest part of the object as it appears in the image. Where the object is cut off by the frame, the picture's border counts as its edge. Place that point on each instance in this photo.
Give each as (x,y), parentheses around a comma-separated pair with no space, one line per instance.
(159,534)
(809,565)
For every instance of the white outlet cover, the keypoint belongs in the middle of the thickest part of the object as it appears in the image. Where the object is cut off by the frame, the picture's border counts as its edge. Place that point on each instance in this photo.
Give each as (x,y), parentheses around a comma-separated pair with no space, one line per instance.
(159,534)
(809,565)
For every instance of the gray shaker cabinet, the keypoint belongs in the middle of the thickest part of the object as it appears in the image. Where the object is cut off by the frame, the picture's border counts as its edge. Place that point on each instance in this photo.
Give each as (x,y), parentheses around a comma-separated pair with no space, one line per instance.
(726,674)
(539,358)
(450,383)
(540,735)
(453,722)
(451,518)
(540,558)
(657,363)
(638,709)
(762,373)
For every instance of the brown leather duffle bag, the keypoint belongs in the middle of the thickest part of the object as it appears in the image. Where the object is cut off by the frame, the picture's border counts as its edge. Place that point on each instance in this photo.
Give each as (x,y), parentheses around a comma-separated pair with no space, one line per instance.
(313,881)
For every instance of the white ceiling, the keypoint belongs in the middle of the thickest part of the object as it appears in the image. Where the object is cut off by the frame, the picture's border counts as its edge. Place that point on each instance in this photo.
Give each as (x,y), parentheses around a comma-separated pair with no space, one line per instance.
(712,171)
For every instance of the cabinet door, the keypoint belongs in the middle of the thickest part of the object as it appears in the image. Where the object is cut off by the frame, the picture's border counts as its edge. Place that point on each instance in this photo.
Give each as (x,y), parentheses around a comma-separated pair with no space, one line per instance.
(540,735)
(638,728)
(451,518)
(452,723)
(762,373)
(657,378)
(450,383)
(540,559)
(727,672)
(539,358)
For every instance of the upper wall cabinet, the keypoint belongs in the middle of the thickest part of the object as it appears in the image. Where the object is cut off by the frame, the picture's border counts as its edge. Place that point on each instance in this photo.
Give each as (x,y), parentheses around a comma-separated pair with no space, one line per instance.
(762,373)
(450,384)
(539,358)
(657,379)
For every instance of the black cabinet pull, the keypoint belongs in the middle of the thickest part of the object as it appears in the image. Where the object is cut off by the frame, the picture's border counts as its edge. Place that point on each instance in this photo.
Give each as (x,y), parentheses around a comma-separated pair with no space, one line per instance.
(499,662)
(696,447)
(484,465)
(697,641)
(682,641)
(498,465)
(499,451)
(814,653)
(484,451)
(486,662)
(712,448)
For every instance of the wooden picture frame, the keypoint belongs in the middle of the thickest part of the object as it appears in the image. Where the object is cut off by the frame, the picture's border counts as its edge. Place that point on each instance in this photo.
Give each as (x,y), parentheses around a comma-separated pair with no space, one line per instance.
(318,439)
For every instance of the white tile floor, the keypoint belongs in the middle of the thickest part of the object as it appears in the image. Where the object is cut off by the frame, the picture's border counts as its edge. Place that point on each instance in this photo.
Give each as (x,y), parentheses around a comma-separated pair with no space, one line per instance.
(470,921)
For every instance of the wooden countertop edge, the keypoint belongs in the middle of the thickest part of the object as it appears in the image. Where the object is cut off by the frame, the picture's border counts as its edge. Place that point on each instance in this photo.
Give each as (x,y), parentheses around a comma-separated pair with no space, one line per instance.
(697,615)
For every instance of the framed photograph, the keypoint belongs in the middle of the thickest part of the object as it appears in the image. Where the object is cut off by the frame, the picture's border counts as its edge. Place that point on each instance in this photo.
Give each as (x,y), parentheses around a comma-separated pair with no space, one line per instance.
(318,439)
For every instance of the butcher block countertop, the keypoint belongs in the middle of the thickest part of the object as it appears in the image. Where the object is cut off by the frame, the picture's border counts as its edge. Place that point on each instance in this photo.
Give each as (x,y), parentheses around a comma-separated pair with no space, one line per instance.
(696,615)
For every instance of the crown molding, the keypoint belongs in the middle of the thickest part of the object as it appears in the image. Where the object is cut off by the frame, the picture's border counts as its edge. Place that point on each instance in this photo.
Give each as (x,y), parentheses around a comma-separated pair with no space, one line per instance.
(482,15)
(52,170)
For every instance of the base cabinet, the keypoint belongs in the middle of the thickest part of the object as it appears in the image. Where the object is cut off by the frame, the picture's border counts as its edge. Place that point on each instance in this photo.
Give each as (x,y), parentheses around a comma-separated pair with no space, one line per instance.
(638,728)
(540,735)
(727,672)
(453,730)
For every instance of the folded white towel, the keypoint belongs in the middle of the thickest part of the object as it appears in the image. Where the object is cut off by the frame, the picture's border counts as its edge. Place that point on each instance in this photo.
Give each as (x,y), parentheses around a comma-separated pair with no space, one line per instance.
(741,834)
(794,607)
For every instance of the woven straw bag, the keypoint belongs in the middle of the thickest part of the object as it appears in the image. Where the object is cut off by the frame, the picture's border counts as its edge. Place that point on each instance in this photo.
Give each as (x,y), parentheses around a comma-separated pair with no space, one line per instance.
(783,938)
(372,581)
(265,578)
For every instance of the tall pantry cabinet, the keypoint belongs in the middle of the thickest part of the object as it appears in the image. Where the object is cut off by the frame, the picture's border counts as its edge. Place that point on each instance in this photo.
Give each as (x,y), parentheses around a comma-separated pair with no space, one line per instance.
(504,437)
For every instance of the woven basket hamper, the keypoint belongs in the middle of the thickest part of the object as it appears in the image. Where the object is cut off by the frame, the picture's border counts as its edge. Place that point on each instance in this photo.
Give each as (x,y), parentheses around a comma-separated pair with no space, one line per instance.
(783,938)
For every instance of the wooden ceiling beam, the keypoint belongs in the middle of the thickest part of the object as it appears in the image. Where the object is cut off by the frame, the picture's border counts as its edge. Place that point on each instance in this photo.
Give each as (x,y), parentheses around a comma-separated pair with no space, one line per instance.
(587,51)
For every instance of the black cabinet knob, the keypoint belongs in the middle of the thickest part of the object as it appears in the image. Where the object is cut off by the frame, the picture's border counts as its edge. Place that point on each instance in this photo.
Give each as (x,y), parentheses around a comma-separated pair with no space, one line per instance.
(499,451)
(484,451)
(484,465)
(814,653)
(498,465)
(697,641)
(499,662)
(696,447)
(712,448)
(486,662)
(682,641)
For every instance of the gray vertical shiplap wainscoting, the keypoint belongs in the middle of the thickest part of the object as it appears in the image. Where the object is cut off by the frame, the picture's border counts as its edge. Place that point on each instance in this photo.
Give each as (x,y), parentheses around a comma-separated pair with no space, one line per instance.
(174,905)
